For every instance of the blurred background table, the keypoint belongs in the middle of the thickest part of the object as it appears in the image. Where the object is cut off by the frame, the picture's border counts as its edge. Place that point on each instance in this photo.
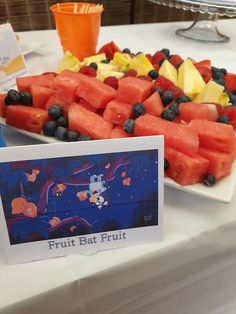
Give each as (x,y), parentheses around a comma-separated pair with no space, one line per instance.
(192,271)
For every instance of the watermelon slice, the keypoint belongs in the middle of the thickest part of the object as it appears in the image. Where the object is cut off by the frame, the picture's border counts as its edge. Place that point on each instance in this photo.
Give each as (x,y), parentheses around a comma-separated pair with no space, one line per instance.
(177,136)
(220,163)
(86,105)
(214,135)
(41,95)
(185,169)
(190,111)
(65,84)
(95,92)
(132,90)
(86,122)
(24,83)
(117,112)
(154,105)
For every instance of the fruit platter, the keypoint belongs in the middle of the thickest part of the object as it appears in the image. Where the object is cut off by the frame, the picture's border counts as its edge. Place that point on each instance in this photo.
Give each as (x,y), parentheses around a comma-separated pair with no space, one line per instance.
(117,93)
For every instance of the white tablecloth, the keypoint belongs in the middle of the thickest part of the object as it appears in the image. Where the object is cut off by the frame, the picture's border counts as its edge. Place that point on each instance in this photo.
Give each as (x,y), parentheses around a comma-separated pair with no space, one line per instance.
(193,271)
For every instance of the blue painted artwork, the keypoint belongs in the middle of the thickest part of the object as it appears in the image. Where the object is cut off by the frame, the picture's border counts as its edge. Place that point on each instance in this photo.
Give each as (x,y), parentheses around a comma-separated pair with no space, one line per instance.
(65,197)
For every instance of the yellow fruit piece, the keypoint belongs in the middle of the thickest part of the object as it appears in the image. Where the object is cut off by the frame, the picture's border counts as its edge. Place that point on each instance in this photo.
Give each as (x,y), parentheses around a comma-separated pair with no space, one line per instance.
(95,58)
(141,64)
(122,60)
(189,79)
(106,67)
(212,92)
(224,99)
(102,75)
(69,62)
(169,71)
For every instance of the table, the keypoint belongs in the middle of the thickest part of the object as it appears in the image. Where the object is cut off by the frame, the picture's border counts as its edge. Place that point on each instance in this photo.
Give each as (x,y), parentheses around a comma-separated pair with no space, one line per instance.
(193,271)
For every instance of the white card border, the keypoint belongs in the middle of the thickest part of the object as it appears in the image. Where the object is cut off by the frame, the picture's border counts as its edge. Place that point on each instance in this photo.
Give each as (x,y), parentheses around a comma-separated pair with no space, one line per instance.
(36,250)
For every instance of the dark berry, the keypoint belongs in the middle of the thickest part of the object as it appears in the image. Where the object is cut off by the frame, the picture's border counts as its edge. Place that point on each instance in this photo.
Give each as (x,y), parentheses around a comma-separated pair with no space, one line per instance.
(84,138)
(224,71)
(61,133)
(218,75)
(126,50)
(13,97)
(153,74)
(168,115)
(175,108)
(55,111)
(138,109)
(166,52)
(94,66)
(167,97)
(131,73)
(49,128)
(62,121)
(26,98)
(72,136)
(166,164)
(139,53)
(7,101)
(182,99)
(220,81)
(159,90)
(209,179)
(105,61)
(128,126)
(232,99)
(223,119)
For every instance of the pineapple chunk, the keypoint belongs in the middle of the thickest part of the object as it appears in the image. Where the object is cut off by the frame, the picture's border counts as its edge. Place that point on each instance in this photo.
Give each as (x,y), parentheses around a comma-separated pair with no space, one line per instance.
(106,67)
(122,60)
(212,92)
(189,79)
(95,58)
(141,64)
(102,75)
(69,62)
(169,71)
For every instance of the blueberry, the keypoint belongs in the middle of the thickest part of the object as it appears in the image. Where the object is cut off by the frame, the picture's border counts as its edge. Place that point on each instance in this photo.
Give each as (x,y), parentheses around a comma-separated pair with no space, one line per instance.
(153,74)
(139,53)
(167,97)
(49,128)
(126,50)
(138,109)
(7,101)
(13,97)
(168,115)
(55,111)
(166,52)
(175,108)
(72,136)
(61,133)
(128,126)
(220,81)
(62,121)
(232,99)
(84,138)
(105,61)
(26,98)
(166,164)
(209,179)
(223,119)
(218,75)
(182,99)
(94,66)
(224,71)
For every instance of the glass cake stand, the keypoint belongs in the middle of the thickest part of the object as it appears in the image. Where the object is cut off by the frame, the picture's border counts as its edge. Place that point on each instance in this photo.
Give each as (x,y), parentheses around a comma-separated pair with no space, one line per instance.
(204,27)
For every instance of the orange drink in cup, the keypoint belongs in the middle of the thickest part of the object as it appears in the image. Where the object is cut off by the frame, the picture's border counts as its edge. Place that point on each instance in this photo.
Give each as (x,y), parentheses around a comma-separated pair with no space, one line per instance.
(78,25)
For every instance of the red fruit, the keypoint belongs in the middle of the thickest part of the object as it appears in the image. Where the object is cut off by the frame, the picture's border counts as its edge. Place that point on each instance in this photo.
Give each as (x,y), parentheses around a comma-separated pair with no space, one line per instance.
(111,81)
(230,112)
(89,71)
(149,56)
(131,73)
(176,60)
(27,118)
(2,105)
(25,83)
(145,77)
(156,66)
(204,67)
(158,57)
(190,111)
(230,82)
(167,85)
(41,95)
(109,49)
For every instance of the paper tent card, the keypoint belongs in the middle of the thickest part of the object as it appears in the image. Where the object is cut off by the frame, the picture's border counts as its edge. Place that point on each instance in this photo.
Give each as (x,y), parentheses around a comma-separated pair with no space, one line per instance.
(12,63)
(58,199)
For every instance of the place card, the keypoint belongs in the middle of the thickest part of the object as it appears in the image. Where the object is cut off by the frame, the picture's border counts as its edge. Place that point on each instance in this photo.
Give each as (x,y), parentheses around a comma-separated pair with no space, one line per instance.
(82,197)
(12,63)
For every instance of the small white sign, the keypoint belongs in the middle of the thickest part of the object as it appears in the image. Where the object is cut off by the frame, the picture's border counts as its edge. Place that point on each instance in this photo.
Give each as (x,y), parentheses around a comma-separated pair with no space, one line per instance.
(12,63)
(84,197)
